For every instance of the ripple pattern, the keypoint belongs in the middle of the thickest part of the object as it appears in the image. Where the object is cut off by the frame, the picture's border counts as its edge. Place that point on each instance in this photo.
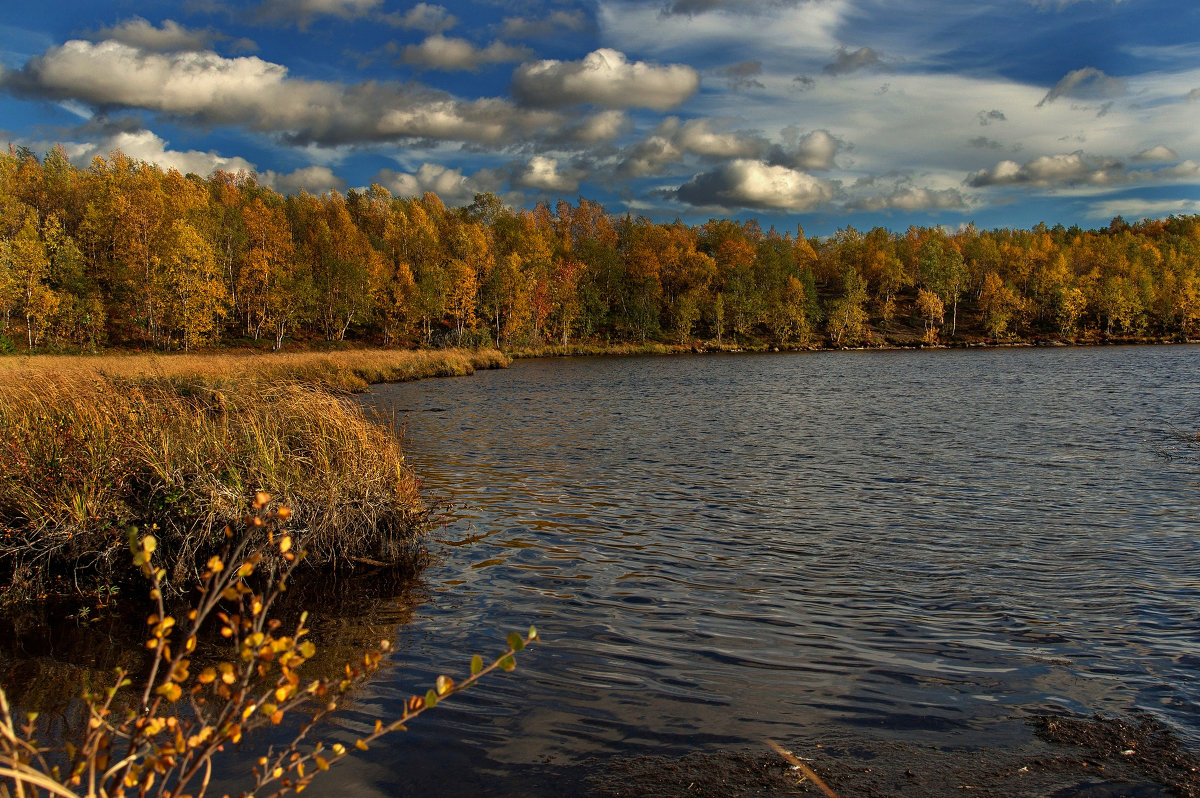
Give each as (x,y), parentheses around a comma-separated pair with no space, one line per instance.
(923,545)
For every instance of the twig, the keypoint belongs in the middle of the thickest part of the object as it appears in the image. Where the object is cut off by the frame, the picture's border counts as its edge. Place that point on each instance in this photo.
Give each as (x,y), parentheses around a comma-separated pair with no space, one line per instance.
(805,769)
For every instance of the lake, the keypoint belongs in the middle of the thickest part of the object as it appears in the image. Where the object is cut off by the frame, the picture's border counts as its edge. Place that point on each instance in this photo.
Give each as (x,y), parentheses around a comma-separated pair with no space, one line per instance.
(847,548)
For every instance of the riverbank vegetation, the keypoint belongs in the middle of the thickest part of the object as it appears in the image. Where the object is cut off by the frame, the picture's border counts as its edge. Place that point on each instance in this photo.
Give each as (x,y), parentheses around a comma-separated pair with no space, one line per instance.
(90,445)
(124,254)
(196,698)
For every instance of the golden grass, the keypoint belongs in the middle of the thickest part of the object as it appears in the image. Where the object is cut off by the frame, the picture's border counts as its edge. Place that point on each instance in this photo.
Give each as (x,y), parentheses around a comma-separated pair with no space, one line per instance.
(348,370)
(91,445)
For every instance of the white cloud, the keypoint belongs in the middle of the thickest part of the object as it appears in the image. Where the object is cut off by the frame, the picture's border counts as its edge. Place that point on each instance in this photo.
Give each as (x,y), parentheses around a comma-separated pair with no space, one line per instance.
(143,145)
(1157,153)
(1135,208)
(672,140)
(815,150)
(1194,94)
(597,128)
(451,185)
(794,31)
(908,198)
(259,95)
(1088,83)
(313,179)
(450,53)
(1048,170)
(543,173)
(1187,170)
(423,17)
(606,78)
(139,33)
(752,184)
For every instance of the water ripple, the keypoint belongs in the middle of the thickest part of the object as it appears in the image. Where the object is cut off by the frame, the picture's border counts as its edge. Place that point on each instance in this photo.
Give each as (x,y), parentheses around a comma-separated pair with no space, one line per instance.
(892,545)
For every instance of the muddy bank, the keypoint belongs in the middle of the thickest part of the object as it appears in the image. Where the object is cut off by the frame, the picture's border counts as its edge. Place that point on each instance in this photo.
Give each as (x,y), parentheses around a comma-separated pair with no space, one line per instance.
(1069,758)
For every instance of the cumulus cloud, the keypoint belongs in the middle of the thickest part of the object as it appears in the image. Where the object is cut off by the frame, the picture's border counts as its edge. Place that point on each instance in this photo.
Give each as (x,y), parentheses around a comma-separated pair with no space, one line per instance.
(1048,170)
(988,117)
(673,139)
(812,151)
(605,77)
(449,53)
(259,95)
(556,22)
(313,179)
(1187,170)
(423,17)
(544,174)
(451,185)
(144,145)
(1158,153)
(171,37)
(1088,83)
(302,12)
(743,75)
(802,83)
(745,183)
(908,198)
(595,128)
(847,61)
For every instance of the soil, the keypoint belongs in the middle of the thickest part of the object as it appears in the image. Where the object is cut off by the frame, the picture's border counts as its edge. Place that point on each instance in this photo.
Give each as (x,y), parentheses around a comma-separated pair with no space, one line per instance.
(1070,757)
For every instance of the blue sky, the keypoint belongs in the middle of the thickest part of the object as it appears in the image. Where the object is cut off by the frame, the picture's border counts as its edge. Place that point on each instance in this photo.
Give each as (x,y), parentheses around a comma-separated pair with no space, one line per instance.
(823,113)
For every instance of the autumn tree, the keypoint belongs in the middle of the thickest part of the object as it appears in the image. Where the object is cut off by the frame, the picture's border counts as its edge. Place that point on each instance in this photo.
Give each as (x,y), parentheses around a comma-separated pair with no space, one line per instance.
(192,286)
(847,315)
(932,312)
(999,304)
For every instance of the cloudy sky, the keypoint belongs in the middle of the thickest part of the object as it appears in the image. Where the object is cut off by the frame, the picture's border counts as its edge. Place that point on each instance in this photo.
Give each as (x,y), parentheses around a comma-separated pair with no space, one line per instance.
(824,113)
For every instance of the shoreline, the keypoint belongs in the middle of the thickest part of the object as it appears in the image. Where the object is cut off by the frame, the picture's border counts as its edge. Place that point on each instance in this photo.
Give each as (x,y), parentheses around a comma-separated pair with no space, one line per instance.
(708,348)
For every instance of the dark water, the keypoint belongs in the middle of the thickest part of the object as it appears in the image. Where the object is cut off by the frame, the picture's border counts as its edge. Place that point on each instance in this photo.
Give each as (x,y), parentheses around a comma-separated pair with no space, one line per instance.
(851,547)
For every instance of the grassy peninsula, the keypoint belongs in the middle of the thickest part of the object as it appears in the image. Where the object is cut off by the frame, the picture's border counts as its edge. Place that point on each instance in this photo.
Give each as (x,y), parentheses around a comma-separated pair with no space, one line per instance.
(91,445)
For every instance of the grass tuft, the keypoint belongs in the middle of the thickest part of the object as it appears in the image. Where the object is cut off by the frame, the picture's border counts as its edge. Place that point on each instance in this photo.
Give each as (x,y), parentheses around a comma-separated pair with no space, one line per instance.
(90,446)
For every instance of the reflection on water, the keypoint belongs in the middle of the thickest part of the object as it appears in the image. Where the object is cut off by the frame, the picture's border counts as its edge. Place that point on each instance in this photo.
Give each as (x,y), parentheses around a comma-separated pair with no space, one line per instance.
(843,546)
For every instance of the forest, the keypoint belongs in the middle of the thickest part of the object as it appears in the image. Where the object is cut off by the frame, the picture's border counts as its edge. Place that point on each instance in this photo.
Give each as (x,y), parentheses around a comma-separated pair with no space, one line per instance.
(124,254)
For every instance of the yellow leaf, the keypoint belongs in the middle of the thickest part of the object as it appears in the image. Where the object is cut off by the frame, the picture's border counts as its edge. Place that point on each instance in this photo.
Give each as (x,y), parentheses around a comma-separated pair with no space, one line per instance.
(170,691)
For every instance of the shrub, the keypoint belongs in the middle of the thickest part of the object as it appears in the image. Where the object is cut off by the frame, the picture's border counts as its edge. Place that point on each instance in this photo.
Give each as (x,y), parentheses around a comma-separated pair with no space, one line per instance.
(164,735)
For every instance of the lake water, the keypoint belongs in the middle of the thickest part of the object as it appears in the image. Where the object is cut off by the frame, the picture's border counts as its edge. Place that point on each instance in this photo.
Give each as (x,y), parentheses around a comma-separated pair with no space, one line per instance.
(849,547)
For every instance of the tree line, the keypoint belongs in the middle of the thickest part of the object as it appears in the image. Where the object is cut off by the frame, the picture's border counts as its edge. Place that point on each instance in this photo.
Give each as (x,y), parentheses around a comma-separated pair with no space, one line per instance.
(123,253)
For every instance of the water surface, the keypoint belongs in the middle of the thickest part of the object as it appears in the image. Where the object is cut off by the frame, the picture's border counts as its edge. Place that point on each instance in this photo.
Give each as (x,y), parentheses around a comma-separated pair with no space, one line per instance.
(854,547)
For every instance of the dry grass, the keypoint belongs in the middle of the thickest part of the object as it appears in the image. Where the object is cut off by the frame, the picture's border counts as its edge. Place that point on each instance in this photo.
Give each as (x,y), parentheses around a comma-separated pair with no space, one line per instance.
(350,370)
(91,445)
